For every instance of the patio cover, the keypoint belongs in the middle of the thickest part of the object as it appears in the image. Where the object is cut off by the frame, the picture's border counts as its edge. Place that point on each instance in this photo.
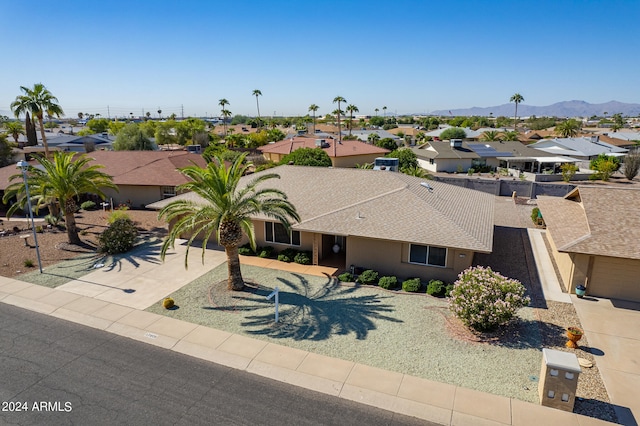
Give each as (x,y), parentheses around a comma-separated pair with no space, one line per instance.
(541,159)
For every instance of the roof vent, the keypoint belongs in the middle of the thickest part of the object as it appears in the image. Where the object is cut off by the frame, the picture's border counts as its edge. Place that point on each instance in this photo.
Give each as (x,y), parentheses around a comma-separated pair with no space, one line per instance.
(322,143)
(595,139)
(426,185)
(455,143)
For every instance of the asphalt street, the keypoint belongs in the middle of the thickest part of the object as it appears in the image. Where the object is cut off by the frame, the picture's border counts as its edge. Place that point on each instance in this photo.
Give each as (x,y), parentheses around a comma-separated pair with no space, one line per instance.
(53,372)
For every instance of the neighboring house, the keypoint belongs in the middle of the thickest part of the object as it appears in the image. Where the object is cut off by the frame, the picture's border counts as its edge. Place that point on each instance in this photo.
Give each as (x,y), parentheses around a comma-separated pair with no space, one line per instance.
(345,154)
(453,156)
(582,148)
(594,234)
(142,177)
(363,135)
(471,134)
(628,140)
(390,222)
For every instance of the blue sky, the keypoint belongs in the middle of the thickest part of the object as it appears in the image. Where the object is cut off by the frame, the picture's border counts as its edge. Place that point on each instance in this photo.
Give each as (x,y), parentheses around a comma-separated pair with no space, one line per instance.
(411,56)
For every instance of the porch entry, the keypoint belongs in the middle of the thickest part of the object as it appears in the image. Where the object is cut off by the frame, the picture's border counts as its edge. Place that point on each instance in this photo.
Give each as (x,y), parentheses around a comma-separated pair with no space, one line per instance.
(329,250)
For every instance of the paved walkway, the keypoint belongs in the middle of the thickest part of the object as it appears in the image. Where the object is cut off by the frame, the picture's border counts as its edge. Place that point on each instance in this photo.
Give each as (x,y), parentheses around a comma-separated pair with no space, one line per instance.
(613,330)
(546,273)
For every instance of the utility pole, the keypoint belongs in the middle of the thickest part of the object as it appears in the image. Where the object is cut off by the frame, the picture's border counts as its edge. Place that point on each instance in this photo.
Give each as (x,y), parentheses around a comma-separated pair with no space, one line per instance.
(108,113)
(182,111)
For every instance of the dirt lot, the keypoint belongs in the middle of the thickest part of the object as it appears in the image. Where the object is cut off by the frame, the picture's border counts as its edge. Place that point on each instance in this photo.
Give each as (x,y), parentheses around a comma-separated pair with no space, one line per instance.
(53,242)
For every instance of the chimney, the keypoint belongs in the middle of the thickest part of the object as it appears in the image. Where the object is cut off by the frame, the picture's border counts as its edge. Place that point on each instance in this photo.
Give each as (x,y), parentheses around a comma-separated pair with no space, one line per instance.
(595,139)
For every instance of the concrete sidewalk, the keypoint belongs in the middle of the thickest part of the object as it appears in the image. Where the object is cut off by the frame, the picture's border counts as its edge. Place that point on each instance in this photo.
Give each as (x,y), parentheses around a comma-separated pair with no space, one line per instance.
(437,402)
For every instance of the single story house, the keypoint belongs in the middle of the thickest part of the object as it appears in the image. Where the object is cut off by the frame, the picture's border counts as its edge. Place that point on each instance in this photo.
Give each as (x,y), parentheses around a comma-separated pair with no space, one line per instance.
(470,134)
(390,222)
(345,154)
(582,148)
(456,155)
(363,135)
(594,235)
(142,177)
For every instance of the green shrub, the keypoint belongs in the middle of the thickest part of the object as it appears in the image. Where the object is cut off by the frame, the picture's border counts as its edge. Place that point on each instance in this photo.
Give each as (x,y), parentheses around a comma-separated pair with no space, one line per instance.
(470,171)
(447,290)
(53,220)
(484,299)
(265,252)
(368,277)
(287,255)
(346,277)
(39,229)
(411,285)
(246,250)
(116,215)
(388,282)
(88,205)
(28,263)
(119,237)
(436,288)
(168,303)
(303,258)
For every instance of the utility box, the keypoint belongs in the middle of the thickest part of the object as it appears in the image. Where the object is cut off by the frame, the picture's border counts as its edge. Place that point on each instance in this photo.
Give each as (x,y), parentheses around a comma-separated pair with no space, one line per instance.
(558,379)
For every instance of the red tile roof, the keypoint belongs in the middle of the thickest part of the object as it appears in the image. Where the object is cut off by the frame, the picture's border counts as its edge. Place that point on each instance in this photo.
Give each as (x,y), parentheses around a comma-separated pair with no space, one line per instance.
(334,149)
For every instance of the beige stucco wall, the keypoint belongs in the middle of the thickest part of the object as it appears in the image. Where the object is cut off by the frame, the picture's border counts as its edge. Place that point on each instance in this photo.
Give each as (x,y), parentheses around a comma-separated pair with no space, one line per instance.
(564,262)
(451,165)
(139,195)
(351,161)
(306,239)
(615,278)
(392,258)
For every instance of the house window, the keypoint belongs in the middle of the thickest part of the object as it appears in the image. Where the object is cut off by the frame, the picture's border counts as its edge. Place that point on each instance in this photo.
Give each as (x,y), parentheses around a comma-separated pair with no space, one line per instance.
(428,255)
(168,191)
(276,233)
(432,161)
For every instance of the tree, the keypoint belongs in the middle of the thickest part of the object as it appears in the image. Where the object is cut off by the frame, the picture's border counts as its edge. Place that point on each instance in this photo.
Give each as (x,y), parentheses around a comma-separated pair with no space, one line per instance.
(30,129)
(453,133)
(98,125)
(376,110)
(337,100)
(618,122)
(351,109)
(315,157)
(148,115)
(387,143)
(313,108)
(15,129)
(116,126)
(159,113)
(384,110)
(132,138)
(568,129)
(80,115)
(605,166)
(225,114)
(568,171)
(407,159)
(372,138)
(631,165)
(517,99)
(38,101)
(57,183)
(257,93)
(6,154)
(226,210)
(490,136)
(510,135)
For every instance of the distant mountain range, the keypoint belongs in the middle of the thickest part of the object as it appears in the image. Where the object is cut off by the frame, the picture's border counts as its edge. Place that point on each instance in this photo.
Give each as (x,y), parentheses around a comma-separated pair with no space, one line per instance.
(560,109)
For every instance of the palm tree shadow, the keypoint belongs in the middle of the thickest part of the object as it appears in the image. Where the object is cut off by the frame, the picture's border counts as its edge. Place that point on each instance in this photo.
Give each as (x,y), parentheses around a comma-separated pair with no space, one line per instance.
(146,252)
(308,314)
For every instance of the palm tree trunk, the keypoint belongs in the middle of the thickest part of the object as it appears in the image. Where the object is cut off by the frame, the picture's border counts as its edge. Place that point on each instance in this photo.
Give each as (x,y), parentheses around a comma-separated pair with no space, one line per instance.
(515,118)
(235,281)
(70,222)
(44,138)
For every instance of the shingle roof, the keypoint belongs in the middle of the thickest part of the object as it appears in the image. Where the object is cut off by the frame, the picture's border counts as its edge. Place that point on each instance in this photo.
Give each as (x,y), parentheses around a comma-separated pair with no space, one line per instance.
(383,205)
(582,147)
(443,150)
(598,221)
(333,148)
(143,168)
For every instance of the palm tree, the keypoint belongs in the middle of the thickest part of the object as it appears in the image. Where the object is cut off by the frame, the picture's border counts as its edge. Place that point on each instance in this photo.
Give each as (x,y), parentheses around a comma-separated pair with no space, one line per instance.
(15,129)
(38,101)
(490,136)
(337,100)
(313,108)
(257,93)
(511,135)
(373,138)
(568,129)
(225,116)
(376,110)
(351,108)
(223,102)
(226,210)
(56,184)
(159,113)
(384,110)
(516,98)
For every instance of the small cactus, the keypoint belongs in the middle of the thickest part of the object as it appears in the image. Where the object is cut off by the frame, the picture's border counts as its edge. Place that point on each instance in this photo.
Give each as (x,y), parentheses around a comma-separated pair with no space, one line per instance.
(168,303)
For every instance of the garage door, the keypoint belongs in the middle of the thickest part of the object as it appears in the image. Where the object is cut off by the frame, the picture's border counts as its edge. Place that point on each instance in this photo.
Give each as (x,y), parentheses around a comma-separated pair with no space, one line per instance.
(615,278)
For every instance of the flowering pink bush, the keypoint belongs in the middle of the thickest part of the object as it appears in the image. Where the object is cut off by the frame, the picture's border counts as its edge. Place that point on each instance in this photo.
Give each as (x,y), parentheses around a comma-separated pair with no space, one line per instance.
(484,299)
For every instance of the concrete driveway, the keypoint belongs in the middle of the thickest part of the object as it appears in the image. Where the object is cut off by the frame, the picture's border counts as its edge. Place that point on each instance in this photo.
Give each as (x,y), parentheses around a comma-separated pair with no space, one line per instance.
(612,328)
(141,279)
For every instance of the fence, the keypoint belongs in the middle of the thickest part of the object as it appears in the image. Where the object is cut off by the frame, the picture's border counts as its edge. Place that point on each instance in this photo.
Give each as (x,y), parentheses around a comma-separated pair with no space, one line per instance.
(508,187)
